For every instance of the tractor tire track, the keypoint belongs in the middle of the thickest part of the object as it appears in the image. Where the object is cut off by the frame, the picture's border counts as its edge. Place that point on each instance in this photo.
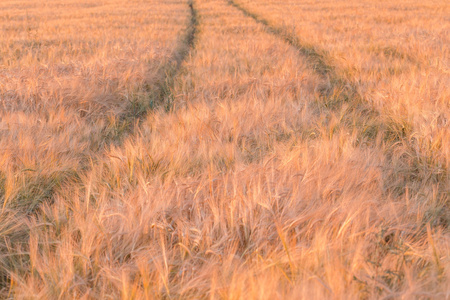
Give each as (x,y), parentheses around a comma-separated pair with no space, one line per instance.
(124,125)
(160,91)
(371,126)
(316,58)
(335,91)
(127,123)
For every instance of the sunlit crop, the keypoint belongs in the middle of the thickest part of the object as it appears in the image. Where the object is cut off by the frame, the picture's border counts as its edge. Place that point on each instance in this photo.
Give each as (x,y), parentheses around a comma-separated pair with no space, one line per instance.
(224,149)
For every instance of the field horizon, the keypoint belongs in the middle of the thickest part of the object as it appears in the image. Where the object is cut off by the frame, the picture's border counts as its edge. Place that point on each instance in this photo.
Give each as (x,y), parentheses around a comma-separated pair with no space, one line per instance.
(224,149)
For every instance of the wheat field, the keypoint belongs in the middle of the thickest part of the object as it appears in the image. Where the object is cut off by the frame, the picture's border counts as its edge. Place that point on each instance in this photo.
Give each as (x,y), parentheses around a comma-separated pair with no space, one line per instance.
(224,149)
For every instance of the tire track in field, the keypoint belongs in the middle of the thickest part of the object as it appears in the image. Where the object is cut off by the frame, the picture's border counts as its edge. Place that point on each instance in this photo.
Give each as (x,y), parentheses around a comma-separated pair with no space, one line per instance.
(115,133)
(340,90)
(117,129)
(133,116)
(370,125)
(335,91)
(160,91)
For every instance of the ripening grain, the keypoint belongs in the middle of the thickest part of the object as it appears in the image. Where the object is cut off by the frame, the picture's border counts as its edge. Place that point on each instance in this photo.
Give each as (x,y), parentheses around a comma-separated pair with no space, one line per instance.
(68,71)
(290,150)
